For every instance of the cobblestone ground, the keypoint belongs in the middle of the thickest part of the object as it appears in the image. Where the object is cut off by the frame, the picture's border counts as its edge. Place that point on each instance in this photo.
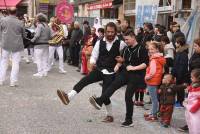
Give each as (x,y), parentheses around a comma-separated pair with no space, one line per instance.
(34,108)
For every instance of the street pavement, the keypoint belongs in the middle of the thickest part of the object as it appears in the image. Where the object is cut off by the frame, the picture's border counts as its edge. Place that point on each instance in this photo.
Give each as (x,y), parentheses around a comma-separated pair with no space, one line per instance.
(34,108)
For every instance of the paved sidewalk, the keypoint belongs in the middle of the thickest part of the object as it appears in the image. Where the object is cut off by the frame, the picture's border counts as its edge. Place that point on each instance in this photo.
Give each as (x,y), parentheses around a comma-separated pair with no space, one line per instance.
(34,108)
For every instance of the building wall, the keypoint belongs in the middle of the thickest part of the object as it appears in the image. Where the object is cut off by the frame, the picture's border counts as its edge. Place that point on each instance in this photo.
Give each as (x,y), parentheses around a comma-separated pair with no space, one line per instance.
(195,3)
(121,13)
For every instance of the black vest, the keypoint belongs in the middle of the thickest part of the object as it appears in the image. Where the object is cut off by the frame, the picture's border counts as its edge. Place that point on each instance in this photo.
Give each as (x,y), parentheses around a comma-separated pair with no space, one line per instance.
(106,59)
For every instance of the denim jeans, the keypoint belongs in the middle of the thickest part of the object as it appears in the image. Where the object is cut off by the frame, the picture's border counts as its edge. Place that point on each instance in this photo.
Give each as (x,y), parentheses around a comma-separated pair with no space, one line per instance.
(153,93)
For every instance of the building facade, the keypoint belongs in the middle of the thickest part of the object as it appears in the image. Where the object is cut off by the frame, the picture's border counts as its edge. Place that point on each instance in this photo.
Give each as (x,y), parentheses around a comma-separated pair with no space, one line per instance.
(168,10)
(100,8)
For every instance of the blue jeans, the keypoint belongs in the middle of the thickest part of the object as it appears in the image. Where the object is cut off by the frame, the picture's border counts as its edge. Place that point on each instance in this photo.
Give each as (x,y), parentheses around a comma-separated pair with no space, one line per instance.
(153,93)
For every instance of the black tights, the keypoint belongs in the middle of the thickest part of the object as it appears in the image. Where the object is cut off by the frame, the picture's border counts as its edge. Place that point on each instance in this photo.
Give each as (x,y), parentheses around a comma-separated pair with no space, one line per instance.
(139,94)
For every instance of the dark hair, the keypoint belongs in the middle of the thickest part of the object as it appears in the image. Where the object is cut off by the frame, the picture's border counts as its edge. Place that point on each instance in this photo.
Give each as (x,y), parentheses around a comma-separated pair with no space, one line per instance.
(197,41)
(165,39)
(86,22)
(181,41)
(196,74)
(157,25)
(129,32)
(41,17)
(157,45)
(112,24)
(4,12)
(101,30)
(57,21)
(173,23)
(93,28)
(141,29)
(119,21)
(128,21)
(149,25)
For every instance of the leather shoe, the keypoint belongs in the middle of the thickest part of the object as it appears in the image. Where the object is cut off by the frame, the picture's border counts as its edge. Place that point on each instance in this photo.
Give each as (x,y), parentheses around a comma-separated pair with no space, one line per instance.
(108,119)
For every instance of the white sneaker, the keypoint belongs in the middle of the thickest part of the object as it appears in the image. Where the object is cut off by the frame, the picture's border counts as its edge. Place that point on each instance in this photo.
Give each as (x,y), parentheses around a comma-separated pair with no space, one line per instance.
(62,71)
(37,75)
(13,84)
(1,83)
(27,61)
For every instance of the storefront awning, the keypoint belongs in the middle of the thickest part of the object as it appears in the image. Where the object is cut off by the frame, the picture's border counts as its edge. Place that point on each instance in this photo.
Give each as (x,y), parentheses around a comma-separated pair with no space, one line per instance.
(8,3)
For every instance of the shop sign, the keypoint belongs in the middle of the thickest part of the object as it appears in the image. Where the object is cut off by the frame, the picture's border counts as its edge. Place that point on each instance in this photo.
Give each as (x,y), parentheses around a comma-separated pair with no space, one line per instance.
(44,1)
(102,5)
(146,11)
(43,8)
(164,8)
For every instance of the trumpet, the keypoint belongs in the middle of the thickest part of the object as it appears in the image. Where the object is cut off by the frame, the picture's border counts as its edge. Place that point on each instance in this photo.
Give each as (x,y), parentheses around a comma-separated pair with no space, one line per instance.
(58,38)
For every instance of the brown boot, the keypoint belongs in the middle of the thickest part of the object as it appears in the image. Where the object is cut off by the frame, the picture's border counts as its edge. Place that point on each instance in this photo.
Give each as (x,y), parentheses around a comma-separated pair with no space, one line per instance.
(63,97)
(108,119)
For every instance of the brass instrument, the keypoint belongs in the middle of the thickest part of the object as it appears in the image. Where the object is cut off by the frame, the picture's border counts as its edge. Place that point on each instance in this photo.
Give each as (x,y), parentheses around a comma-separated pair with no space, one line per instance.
(58,38)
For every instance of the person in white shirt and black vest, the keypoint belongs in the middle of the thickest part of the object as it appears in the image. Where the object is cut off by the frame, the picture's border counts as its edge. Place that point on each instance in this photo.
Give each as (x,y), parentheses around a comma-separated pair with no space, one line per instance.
(133,63)
(103,60)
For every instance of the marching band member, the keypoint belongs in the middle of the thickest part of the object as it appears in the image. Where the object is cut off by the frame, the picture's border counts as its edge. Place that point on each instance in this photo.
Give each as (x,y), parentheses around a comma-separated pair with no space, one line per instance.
(56,45)
(12,31)
(41,49)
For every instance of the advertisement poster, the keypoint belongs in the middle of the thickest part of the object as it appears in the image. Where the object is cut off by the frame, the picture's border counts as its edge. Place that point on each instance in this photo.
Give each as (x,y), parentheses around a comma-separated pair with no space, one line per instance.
(146,11)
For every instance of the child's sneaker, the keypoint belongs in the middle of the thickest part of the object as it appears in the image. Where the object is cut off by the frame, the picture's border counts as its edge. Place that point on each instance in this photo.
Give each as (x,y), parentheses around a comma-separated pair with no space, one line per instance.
(183,129)
(136,103)
(147,115)
(158,114)
(151,118)
(178,105)
(141,103)
(165,125)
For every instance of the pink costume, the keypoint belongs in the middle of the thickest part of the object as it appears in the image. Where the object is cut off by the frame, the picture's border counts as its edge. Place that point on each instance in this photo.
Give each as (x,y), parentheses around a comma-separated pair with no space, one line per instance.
(192,113)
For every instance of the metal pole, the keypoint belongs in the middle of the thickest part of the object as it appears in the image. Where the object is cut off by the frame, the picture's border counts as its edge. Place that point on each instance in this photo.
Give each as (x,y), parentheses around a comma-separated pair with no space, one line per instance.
(5,4)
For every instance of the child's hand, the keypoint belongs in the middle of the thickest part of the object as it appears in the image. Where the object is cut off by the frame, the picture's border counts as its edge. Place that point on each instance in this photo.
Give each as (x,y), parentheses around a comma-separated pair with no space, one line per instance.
(116,68)
(130,68)
(147,77)
(185,102)
(185,84)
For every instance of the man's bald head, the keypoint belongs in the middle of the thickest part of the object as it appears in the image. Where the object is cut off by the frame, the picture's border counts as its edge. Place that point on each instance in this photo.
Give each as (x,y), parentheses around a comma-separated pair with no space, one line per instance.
(12,11)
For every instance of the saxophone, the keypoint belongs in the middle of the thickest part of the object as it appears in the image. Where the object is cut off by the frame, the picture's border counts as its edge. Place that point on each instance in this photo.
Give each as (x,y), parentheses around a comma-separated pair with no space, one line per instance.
(58,38)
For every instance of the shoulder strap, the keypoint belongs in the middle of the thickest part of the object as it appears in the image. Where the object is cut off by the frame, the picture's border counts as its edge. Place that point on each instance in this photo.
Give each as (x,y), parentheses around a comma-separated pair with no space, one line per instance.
(139,51)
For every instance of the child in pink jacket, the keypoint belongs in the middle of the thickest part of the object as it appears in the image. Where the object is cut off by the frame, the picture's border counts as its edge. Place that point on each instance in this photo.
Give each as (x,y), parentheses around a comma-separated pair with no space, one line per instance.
(193,103)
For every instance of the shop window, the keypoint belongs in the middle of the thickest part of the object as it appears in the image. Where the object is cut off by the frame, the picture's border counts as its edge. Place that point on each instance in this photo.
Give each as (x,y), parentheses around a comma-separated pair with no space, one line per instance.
(51,10)
(161,3)
(129,4)
(186,4)
(110,13)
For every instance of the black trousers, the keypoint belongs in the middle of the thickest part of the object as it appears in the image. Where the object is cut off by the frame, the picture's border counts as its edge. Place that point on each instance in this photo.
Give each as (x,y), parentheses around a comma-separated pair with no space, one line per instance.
(181,96)
(93,77)
(66,54)
(74,53)
(132,80)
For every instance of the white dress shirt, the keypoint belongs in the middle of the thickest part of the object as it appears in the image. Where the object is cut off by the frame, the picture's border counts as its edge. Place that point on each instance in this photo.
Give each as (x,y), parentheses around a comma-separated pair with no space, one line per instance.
(95,52)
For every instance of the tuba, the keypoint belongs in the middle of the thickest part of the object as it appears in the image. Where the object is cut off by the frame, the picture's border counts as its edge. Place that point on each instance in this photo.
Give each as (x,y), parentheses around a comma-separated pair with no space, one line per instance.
(58,38)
